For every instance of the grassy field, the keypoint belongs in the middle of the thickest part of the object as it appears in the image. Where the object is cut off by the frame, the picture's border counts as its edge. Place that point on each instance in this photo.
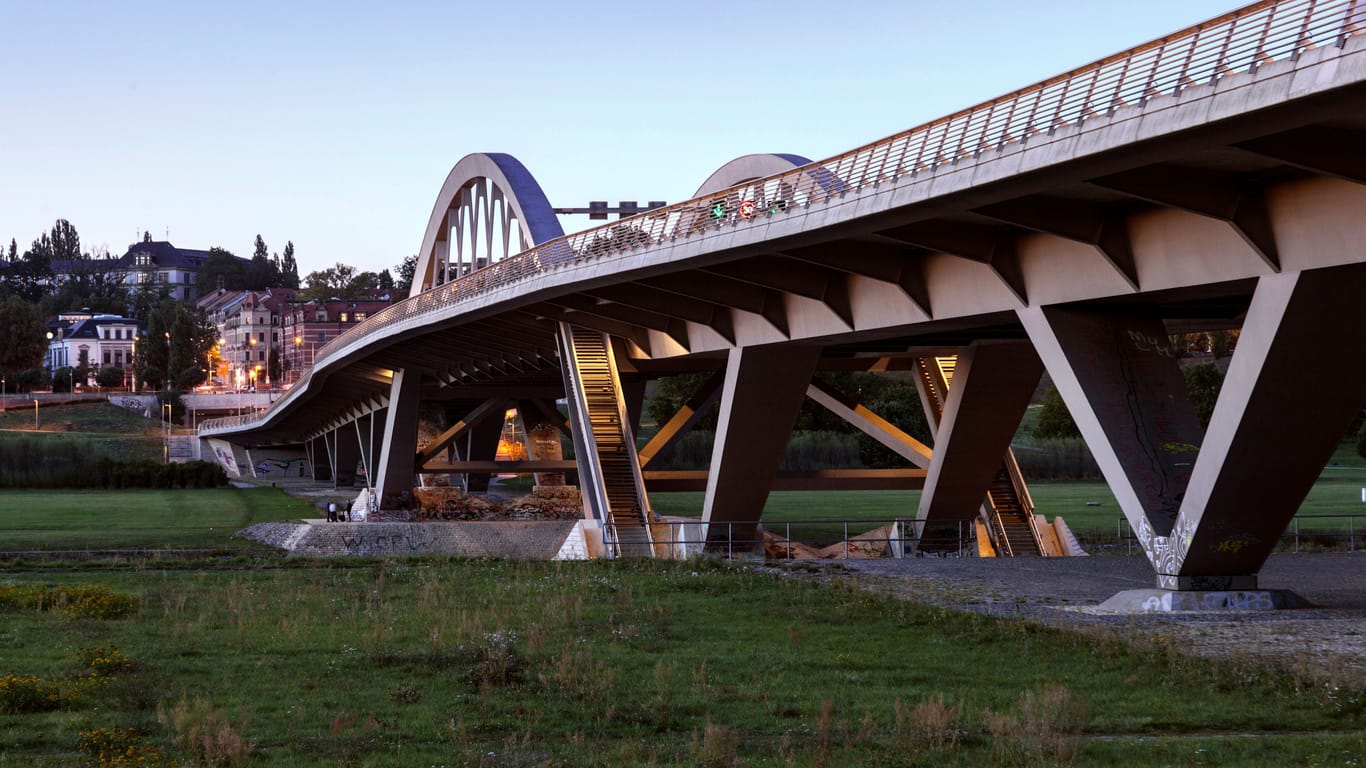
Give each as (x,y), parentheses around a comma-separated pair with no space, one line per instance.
(195,519)
(484,663)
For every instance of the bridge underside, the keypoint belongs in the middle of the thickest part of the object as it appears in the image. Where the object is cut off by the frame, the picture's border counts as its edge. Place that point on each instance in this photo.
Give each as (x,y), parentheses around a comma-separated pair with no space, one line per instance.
(1073,251)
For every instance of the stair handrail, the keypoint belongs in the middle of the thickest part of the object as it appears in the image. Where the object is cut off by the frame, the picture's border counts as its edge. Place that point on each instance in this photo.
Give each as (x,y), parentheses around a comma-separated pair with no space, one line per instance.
(1017,482)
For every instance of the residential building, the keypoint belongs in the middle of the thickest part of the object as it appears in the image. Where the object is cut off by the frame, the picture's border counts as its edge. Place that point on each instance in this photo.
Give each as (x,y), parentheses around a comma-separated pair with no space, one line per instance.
(309,325)
(102,341)
(154,262)
(248,325)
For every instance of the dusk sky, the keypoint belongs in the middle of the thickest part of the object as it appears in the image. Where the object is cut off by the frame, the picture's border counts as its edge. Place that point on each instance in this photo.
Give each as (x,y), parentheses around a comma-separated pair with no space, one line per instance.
(334,124)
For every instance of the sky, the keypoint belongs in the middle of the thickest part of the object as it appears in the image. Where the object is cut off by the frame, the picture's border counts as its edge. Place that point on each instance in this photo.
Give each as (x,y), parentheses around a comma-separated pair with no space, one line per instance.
(334,124)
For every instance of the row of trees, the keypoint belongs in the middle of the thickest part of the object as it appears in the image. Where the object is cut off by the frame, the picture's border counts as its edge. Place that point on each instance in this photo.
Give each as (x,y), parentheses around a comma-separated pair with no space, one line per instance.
(176,352)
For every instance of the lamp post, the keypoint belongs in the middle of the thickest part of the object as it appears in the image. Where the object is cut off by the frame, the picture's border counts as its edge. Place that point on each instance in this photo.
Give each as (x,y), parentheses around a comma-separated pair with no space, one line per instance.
(166,432)
(35,415)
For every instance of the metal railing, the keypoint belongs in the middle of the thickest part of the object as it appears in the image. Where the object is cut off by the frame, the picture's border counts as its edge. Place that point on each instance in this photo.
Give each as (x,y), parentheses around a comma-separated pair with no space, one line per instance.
(1303,532)
(1238,42)
(685,538)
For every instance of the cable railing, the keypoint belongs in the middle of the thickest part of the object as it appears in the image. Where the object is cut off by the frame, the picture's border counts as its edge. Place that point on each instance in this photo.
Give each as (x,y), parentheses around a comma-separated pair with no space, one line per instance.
(1241,41)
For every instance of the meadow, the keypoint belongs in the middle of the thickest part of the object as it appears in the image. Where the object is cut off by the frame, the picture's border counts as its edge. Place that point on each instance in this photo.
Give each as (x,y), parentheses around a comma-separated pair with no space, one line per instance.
(440,662)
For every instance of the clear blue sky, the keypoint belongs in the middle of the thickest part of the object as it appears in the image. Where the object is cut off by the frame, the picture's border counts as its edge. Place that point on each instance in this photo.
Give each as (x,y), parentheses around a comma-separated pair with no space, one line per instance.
(333,124)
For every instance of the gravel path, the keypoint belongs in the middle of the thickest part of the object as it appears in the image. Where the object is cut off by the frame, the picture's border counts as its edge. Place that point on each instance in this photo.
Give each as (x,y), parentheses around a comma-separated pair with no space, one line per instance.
(1327,641)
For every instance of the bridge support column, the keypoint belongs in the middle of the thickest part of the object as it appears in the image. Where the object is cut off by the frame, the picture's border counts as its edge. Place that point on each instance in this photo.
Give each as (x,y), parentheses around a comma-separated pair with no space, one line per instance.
(482,445)
(320,457)
(1296,381)
(344,451)
(761,396)
(1208,508)
(992,386)
(394,480)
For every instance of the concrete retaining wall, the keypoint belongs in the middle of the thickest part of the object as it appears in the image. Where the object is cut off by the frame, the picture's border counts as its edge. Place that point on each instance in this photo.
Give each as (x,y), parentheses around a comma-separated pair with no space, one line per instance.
(514,539)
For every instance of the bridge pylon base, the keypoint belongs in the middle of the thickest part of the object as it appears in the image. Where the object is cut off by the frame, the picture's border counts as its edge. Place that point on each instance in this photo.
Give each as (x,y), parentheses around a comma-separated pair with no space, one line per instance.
(1172,600)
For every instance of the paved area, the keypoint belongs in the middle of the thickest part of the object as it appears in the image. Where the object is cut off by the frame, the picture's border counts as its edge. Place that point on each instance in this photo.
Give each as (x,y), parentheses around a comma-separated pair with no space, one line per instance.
(1327,641)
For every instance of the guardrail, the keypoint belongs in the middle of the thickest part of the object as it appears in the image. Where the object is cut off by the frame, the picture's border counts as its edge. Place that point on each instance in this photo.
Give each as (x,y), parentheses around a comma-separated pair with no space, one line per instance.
(1303,532)
(686,538)
(1240,41)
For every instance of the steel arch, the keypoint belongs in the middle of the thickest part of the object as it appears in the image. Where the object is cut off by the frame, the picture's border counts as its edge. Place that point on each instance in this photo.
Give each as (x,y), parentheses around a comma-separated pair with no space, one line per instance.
(483,195)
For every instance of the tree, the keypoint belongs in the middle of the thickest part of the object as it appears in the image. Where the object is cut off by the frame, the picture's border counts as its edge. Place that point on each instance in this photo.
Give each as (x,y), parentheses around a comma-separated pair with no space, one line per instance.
(154,351)
(289,268)
(23,337)
(322,284)
(405,269)
(262,272)
(1054,418)
(1203,383)
(220,269)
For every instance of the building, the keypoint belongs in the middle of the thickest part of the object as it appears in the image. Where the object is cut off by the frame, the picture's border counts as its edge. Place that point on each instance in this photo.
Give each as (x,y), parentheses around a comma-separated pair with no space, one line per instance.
(309,325)
(150,262)
(248,325)
(101,341)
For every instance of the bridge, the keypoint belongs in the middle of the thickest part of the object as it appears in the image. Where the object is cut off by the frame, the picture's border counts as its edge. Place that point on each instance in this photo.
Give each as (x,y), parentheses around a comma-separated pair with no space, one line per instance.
(1212,178)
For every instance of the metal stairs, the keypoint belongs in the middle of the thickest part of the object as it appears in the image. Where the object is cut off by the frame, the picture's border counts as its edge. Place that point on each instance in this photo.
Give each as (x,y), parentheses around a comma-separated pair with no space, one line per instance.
(627,514)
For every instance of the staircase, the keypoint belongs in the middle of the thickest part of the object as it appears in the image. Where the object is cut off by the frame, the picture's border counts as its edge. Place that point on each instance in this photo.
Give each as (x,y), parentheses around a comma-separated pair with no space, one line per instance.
(1008,510)
(1013,525)
(627,509)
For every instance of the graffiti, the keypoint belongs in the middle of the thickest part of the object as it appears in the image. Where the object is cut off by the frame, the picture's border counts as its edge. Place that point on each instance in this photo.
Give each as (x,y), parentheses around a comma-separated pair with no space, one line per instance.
(1145,343)
(1220,600)
(408,541)
(1235,544)
(282,466)
(226,460)
(132,403)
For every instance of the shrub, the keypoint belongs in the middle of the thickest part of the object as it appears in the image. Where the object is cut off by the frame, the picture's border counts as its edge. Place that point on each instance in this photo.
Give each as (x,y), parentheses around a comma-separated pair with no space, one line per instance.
(109,377)
(26,694)
(497,662)
(206,733)
(116,748)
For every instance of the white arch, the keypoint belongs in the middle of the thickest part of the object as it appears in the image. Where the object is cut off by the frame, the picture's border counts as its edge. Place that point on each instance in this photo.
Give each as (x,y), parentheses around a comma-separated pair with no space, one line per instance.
(481,197)
(748,168)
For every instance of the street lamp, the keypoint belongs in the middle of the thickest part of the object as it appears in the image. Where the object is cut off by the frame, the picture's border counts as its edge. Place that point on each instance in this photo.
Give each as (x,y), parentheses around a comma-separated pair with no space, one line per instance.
(35,415)
(3,384)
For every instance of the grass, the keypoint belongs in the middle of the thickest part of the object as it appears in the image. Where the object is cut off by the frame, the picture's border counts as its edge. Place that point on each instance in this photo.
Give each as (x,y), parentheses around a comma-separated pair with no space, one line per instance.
(481,663)
(107,429)
(193,519)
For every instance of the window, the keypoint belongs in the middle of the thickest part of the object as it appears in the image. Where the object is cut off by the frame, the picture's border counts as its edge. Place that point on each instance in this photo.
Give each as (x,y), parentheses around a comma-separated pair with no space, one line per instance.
(260,335)
(343,317)
(322,336)
(360,316)
(118,358)
(106,357)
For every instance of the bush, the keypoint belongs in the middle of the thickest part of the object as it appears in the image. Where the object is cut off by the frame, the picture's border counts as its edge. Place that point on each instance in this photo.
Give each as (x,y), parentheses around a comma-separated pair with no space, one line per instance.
(28,461)
(24,695)
(116,748)
(109,377)
(63,378)
(29,379)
